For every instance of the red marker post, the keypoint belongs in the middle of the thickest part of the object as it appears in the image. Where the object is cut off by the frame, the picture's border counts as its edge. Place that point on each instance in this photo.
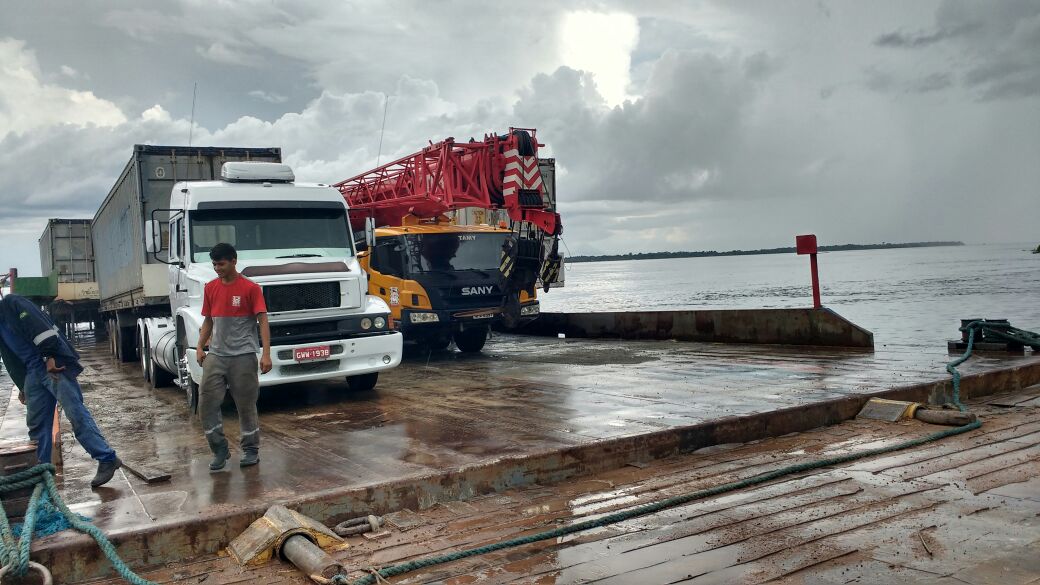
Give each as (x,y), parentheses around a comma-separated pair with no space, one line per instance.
(807,245)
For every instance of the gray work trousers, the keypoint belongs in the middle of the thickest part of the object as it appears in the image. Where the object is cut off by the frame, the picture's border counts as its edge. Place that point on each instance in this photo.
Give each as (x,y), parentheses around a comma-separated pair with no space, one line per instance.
(239,376)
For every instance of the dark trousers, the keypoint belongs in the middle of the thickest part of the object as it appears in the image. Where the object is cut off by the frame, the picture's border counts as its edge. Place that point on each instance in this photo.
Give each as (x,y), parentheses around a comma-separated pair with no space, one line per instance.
(239,376)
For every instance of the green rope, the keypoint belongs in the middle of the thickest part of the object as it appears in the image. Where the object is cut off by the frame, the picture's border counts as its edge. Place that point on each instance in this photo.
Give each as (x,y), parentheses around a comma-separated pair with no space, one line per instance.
(16,555)
(653,507)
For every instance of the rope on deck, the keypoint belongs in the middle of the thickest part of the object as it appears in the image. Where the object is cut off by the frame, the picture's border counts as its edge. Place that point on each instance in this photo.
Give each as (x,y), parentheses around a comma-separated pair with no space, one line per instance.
(653,507)
(14,556)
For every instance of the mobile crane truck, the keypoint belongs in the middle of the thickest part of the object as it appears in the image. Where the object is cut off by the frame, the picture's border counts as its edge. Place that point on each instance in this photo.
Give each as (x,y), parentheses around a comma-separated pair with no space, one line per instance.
(445,281)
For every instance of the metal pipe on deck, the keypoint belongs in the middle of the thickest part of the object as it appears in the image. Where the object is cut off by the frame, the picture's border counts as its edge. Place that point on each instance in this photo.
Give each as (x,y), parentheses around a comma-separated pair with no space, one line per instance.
(316,563)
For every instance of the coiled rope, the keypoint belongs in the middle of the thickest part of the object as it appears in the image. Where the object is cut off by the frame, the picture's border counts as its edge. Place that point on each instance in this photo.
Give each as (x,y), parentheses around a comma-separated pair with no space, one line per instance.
(14,556)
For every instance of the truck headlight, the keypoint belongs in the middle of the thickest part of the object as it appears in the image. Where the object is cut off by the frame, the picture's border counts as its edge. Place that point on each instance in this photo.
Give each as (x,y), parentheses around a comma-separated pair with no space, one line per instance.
(380,322)
(528,310)
(366,323)
(424,317)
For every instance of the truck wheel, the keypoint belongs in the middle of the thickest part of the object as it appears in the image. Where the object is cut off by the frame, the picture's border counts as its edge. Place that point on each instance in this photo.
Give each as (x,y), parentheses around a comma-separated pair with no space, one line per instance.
(146,357)
(471,340)
(159,377)
(191,389)
(192,393)
(363,383)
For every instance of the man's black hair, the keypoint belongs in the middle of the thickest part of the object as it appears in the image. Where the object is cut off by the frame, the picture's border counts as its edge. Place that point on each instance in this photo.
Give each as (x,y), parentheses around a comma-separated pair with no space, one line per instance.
(223,251)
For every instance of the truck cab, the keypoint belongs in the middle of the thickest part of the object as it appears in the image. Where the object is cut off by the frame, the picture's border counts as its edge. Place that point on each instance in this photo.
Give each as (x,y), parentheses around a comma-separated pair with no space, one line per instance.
(294,241)
(443,281)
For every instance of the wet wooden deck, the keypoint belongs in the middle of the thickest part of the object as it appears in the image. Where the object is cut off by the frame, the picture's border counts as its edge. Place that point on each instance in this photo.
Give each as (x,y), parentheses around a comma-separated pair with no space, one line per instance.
(964,510)
(444,415)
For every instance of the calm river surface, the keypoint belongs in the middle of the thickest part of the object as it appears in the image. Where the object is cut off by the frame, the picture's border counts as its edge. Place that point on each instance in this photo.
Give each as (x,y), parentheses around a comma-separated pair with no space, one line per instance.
(909,296)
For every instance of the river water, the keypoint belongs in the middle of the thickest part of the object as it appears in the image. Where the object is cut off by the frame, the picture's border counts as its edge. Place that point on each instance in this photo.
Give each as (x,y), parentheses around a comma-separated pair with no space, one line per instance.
(908,296)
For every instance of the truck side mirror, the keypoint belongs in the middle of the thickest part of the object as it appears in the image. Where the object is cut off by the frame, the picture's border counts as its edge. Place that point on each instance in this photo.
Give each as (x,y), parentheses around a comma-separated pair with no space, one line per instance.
(370,231)
(153,236)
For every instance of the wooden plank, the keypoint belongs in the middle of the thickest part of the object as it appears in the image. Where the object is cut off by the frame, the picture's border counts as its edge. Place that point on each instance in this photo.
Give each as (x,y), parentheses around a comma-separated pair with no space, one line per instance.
(148,474)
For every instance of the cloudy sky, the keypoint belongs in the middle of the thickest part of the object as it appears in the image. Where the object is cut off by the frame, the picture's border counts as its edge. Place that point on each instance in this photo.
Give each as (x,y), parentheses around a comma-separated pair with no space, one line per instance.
(675,125)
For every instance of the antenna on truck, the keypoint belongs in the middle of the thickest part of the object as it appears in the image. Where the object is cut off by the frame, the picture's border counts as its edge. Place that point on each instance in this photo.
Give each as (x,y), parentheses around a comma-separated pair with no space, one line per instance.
(194,90)
(386,106)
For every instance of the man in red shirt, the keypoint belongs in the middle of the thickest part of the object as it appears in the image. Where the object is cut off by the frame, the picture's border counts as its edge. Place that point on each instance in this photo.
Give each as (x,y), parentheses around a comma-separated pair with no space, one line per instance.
(233,305)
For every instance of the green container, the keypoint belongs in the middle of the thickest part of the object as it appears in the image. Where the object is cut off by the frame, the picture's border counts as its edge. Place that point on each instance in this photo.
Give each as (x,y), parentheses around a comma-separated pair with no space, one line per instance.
(36,286)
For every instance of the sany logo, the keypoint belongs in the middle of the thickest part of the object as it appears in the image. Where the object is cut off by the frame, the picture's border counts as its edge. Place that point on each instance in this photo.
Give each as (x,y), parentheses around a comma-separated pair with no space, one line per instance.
(477,290)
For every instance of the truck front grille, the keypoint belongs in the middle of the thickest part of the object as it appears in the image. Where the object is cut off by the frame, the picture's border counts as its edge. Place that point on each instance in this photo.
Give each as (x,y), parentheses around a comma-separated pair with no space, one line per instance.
(300,297)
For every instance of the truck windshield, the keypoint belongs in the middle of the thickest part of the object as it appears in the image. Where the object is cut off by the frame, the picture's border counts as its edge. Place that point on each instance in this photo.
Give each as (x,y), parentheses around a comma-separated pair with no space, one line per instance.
(459,251)
(271,233)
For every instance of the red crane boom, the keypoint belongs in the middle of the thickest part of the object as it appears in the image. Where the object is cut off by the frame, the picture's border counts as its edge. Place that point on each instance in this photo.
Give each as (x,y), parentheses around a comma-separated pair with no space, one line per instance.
(500,172)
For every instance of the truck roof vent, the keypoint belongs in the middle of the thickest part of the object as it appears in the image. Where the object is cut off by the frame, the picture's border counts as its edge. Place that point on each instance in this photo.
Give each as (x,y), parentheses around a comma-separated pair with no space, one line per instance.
(256,172)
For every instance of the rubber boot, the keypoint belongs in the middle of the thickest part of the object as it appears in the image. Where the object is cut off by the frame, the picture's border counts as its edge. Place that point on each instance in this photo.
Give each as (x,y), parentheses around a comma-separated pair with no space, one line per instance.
(220,457)
(249,458)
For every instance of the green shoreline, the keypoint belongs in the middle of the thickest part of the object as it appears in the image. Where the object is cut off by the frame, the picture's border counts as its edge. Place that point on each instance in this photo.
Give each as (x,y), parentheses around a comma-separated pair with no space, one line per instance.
(790,250)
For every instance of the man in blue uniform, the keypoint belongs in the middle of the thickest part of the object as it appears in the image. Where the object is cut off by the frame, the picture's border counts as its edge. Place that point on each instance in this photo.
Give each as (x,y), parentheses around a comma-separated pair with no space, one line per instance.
(44,366)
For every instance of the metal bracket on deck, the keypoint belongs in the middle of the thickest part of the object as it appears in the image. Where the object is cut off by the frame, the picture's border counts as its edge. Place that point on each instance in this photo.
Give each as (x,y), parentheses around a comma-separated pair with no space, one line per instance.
(292,536)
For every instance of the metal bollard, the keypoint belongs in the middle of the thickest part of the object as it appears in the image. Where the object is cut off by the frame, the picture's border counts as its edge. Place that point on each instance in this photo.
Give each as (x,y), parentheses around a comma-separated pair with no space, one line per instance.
(310,559)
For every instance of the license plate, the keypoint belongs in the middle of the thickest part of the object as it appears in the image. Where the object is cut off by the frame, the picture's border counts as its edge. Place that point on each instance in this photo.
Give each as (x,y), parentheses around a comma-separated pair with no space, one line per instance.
(483,315)
(303,354)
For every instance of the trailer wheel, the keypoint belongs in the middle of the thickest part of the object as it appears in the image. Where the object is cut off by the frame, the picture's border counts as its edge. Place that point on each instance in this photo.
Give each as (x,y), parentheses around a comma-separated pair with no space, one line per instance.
(113,335)
(471,340)
(363,382)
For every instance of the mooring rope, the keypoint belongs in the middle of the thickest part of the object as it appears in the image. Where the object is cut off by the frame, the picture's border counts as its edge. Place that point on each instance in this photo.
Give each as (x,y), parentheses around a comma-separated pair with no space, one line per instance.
(14,556)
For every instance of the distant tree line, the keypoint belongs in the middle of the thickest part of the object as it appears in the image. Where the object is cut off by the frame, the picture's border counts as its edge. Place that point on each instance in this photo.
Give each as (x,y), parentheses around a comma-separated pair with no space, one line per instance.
(790,250)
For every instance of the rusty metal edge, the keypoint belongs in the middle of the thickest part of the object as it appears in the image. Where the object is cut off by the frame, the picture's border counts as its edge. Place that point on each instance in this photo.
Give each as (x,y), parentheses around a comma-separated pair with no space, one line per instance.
(804,327)
(78,558)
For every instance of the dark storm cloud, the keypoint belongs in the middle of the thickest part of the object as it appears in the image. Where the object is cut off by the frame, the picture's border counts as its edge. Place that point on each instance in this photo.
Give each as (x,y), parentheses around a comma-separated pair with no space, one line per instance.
(905,40)
(679,141)
(995,48)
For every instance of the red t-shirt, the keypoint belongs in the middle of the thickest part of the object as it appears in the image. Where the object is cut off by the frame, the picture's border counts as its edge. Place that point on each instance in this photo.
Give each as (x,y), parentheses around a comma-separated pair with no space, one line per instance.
(233,308)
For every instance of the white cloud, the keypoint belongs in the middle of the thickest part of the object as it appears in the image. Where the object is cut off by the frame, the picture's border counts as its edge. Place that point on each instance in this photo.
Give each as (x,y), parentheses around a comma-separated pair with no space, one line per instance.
(269,97)
(72,73)
(27,103)
(155,113)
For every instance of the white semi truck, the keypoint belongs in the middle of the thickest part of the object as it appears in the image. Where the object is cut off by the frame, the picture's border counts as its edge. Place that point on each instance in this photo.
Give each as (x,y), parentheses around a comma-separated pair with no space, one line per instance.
(152,237)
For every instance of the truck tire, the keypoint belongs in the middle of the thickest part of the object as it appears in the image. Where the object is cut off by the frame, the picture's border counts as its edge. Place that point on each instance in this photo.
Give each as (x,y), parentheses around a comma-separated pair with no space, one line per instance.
(158,377)
(192,395)
(191,389)
(471,340)
(146,357)
(363,382)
